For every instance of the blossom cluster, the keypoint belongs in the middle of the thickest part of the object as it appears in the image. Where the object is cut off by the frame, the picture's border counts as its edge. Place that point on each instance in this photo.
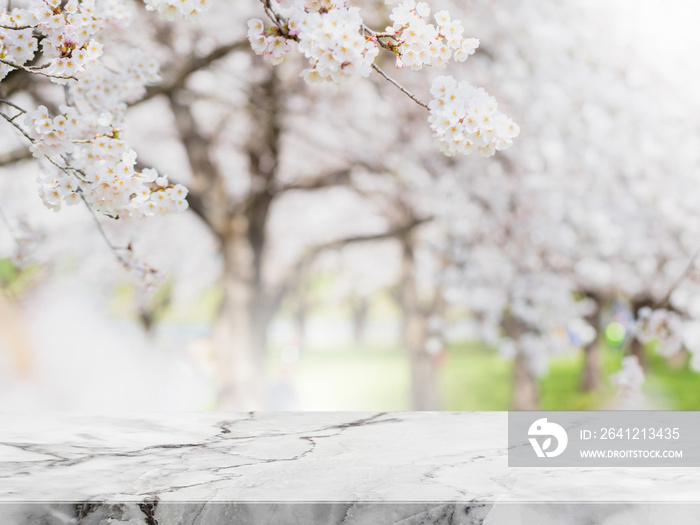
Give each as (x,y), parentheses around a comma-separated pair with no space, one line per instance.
(465,119)
(663,326)
(52,136)
(101,170)
(110,88)
(268,42)
(173,9)
(328,33)
(110,15)
(90,159)
(333,44)
(17,46)
(333,37)
(420,43)
(66,32)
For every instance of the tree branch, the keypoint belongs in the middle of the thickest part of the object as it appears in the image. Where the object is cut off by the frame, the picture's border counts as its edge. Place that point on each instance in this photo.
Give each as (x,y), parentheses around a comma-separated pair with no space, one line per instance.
(335,178)
(17,155)
(195,64)
(315,251)
(207,195)
(396,232)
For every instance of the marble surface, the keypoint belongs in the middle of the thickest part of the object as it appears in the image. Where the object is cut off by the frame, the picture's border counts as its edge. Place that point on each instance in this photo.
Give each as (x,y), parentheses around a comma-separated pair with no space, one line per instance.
(313,467)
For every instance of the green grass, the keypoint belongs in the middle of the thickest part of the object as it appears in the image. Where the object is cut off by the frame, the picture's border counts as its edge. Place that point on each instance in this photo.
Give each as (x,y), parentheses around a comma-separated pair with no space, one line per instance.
(473,377)
(479,379)
(560,387)
(675,387)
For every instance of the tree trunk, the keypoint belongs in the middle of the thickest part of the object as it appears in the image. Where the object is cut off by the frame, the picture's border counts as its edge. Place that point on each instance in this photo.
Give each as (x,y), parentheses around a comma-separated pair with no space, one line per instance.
(592,367)
(425,393)
(592,376)
(636,348)
(360,308)
(525,390)
(301,316)
(239,332)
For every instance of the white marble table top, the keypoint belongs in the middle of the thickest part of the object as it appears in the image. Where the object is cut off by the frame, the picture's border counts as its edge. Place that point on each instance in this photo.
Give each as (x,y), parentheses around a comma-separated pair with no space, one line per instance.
(299,457)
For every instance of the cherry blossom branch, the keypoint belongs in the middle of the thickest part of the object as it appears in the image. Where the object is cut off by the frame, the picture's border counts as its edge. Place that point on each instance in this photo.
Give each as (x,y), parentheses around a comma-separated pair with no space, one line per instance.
(12,104)
(281,23)
(76,172)
(276,18)
(68,169)
(35,70)
(401,88)
(11,120)
(378,36)
(114,249)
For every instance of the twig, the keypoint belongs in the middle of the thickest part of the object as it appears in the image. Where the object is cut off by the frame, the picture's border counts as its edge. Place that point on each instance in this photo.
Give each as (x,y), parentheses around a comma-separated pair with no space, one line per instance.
(11,120)
(16,28)
(279,20)
(114,249)
(403,89)
(35,71)
(12,104)
(68,167)
(379,37)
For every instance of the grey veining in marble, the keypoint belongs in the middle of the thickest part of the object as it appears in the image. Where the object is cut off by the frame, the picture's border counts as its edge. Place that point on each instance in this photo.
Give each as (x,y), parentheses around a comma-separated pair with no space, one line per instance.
(308,468)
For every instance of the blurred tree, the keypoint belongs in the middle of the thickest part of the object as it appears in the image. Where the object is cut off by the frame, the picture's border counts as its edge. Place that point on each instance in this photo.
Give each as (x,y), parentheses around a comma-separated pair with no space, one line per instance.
(235,177)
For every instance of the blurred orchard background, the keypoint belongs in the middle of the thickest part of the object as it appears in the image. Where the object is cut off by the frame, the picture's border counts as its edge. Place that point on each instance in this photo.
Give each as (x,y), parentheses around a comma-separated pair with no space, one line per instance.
(332,258)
